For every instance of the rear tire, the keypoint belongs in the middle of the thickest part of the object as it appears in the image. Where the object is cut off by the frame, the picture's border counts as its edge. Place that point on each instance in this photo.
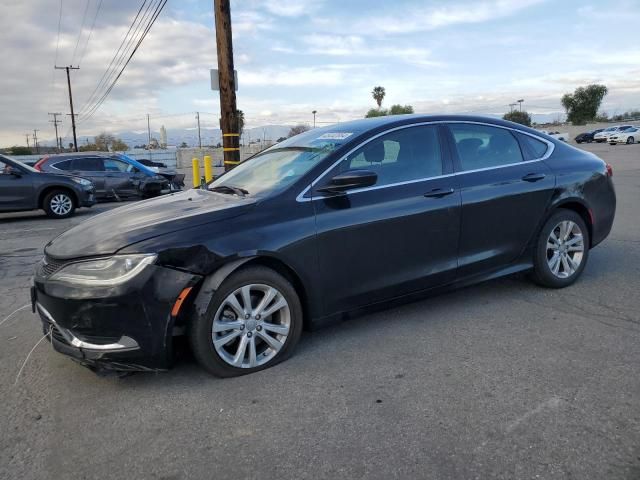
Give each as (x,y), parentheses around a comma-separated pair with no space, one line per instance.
(254,319)
(562,250)
(59,204)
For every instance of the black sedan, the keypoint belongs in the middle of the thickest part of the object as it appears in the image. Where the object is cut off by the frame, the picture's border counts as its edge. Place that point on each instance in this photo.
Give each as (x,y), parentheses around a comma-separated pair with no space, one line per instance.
(23,188)
(322,225)
(587,136)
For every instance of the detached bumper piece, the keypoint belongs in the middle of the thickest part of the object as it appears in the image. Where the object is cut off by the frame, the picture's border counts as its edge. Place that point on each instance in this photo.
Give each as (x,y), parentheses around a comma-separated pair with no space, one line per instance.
(123,329)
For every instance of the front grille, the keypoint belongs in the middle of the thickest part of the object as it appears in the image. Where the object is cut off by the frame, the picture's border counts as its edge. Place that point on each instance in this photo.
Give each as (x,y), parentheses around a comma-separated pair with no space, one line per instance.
(48,266)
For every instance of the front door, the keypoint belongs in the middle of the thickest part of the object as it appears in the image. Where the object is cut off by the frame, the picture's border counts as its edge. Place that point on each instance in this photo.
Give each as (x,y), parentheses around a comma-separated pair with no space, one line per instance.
(91,168)
(396,237)
(16,188)
(119,177)
(505,191)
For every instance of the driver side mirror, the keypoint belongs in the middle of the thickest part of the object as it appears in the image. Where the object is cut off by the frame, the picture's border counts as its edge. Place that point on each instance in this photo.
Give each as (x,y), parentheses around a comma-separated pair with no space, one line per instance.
(350,180)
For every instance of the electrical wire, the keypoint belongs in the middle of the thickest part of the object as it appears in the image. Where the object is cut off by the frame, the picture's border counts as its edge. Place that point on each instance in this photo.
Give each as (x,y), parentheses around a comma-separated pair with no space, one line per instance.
(84,19)
(107,71)
(86,43)
(157,12)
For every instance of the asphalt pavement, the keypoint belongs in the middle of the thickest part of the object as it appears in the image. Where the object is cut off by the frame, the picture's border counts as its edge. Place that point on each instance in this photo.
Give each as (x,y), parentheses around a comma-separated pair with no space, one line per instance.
(500,380)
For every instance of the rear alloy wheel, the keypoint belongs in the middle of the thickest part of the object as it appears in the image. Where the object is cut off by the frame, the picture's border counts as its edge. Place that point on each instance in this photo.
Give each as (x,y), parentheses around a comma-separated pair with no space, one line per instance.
(59,204)
(631,140)
(253,321)
(562,250)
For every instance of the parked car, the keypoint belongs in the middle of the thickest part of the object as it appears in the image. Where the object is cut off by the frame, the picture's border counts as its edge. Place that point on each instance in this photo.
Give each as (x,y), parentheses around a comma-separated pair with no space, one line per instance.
(555,134)
(151,163)
(604,135)
(587,136)
(626,136)
(329,222)
(24,188)
(114,175)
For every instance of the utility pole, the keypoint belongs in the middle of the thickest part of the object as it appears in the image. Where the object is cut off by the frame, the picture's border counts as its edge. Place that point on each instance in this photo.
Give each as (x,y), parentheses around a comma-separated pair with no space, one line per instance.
(226,80)
(55,122)
(511,105)
(35,140)
(148,133)
(199,137)
(73,117)
(27,136)
(520,102)
(314,118)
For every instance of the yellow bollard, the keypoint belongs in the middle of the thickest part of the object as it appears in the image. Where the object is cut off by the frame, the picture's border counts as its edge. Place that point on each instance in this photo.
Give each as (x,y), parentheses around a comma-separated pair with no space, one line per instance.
(195,164)
(208,170)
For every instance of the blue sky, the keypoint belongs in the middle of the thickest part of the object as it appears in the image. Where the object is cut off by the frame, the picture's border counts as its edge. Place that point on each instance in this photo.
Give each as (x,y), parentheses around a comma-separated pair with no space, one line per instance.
(325,55)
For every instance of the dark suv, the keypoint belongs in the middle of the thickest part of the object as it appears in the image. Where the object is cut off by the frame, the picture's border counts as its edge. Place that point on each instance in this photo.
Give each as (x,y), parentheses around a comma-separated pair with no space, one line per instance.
(114,175)
(24,188)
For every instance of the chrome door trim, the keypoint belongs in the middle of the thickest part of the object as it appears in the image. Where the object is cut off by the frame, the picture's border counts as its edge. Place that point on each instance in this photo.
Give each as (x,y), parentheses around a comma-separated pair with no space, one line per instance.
(550,148)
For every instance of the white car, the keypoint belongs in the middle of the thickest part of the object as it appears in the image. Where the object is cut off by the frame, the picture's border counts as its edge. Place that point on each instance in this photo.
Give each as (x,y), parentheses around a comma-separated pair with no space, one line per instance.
(627,136)
(558,135)
(604,135)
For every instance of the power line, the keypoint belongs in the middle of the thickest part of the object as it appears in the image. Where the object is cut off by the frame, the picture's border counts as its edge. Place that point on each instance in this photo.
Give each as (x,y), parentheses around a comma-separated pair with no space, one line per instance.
(84,19)
(84,49)
(104,75)
(144,34)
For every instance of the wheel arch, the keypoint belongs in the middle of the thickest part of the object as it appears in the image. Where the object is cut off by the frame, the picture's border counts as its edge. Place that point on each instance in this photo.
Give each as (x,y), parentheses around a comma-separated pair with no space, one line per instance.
(213,281)
(580,207)
(50,188)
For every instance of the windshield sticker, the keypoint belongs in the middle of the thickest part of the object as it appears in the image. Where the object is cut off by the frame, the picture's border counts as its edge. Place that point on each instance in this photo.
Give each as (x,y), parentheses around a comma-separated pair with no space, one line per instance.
(335,136)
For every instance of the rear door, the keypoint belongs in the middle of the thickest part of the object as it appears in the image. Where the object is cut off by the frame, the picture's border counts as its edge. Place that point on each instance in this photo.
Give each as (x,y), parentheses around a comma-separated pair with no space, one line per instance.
(119,177)
(91,168)
(396,237)
(16,188)
(505,188)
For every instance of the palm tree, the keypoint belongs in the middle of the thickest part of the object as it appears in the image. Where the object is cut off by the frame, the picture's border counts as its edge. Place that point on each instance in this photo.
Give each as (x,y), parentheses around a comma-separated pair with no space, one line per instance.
(378,94)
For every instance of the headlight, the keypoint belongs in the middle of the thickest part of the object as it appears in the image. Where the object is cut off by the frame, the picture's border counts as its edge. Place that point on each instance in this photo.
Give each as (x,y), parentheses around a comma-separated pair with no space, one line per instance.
(104,272)
(81,181)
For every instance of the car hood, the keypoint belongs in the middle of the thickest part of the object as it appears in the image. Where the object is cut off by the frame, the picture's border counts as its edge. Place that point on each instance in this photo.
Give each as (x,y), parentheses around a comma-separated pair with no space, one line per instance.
(111,231)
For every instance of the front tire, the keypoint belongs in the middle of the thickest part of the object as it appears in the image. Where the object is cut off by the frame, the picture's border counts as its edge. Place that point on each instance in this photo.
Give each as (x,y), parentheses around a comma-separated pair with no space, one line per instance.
(562,250)
(253,321)
(59,204)
(630,140)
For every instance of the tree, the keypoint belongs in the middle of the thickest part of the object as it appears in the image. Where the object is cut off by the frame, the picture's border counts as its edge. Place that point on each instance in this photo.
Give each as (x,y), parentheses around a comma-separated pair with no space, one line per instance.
(103,141)
(378,94)
(297,130)
(18,150)
(394,110)
(517,116)
(119,146)
(240,116)
(89,147)
(400,109)
(583,104)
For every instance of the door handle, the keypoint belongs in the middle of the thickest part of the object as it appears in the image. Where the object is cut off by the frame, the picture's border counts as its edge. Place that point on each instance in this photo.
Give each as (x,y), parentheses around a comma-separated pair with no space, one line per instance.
(533,177)
(439,192)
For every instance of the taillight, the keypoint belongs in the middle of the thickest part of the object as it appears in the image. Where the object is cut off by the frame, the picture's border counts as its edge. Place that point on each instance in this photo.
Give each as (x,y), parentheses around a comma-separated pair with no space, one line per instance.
(38,165)
(609,170)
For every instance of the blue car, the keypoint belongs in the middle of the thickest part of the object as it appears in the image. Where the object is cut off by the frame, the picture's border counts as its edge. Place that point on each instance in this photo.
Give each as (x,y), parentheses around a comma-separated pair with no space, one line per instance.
(115,175)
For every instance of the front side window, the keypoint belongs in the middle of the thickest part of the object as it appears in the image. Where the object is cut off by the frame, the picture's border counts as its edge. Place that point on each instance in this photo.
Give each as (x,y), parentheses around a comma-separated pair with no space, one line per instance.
(113,165)
(5,168)
(402,155)
(483,146)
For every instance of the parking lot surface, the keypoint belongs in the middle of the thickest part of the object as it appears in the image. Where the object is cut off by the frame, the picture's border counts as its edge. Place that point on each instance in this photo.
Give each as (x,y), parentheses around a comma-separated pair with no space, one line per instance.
(501,380)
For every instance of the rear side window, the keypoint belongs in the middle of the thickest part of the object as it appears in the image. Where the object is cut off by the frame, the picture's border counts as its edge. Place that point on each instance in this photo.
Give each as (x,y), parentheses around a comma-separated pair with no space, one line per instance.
(482,146)
(64,165)
(532,148)
(88,164)
(403,155)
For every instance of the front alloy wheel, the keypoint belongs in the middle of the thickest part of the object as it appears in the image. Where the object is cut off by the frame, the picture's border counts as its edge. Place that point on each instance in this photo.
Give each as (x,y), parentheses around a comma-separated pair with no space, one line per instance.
(252,322)
(59,204)
(562,250)
(630,140)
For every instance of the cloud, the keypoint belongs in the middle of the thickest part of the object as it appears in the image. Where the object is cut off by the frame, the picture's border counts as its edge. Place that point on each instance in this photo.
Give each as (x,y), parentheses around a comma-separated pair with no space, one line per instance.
(295,8)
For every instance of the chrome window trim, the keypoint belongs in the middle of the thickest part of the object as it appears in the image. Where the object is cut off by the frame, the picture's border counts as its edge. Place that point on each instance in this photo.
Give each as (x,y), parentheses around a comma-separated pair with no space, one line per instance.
(550,148)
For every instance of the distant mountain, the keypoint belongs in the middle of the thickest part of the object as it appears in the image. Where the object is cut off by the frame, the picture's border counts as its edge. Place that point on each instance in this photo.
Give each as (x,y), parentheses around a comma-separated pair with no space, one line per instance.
(210,136)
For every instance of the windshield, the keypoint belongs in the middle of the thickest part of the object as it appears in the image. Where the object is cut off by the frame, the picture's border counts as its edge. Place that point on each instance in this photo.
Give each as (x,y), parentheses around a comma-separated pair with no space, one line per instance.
(281,165)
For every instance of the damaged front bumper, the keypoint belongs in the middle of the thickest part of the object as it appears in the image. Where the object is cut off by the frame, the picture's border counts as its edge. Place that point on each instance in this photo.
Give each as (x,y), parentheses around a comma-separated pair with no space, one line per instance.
(124,328)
